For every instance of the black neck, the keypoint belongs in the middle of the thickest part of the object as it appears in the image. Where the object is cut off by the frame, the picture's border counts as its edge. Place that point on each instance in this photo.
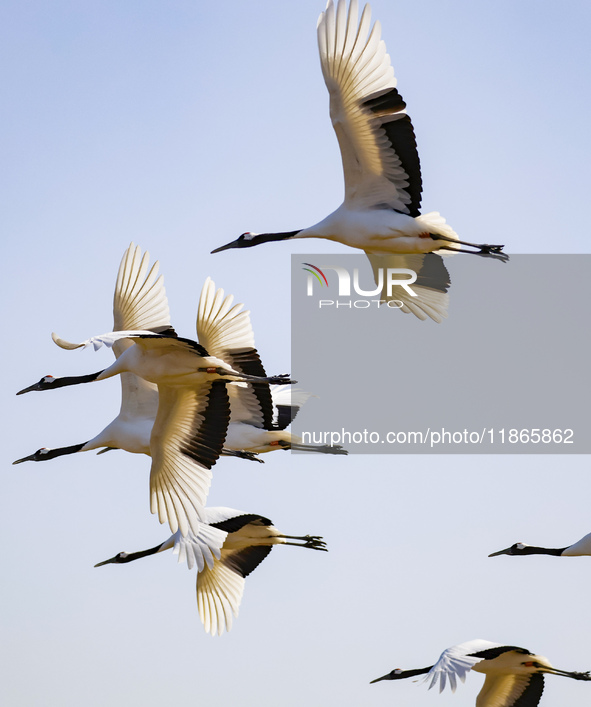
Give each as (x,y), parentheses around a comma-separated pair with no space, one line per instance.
(60,451)
(74,380)
(267,237)
(531,550)
(417,671)
(143,553)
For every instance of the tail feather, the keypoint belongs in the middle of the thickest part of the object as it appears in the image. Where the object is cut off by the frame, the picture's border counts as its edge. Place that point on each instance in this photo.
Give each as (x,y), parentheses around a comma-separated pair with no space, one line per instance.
(435,223)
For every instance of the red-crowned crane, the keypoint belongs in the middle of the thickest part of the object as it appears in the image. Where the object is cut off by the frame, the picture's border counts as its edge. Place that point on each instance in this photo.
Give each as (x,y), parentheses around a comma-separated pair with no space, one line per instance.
(383,184)
(220,581)
(514,676)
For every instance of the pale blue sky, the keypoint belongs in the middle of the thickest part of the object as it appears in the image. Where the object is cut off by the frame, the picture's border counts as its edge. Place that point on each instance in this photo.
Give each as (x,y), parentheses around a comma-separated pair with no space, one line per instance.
(179,125)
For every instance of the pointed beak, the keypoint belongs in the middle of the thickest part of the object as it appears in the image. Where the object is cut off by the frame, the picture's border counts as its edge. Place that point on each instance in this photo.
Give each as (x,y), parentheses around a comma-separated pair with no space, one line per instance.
(323,449)
(384,677)
(225,247)
(107,562)
(567,674)
(30,458)
(506,551)
(35,386)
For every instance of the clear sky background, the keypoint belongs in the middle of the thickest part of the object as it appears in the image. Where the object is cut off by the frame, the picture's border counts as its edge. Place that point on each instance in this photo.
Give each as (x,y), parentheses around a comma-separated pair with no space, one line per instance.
(179,125)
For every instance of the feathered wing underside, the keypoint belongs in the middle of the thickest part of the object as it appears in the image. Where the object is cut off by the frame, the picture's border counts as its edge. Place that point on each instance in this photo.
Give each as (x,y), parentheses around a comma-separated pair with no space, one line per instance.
(219,593)
(139,302)
(511,690)
(456,662)
(201,548)
(251,403)
(187,439)
(226,332)
(219,590)
(244,406)
(431,285)
(376,138)
(222,327)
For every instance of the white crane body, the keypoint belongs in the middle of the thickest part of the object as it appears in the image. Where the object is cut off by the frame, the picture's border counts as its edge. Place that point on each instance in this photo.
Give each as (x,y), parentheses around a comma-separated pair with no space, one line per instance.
(129,433)
(166,361)
(581,547)
(381,231)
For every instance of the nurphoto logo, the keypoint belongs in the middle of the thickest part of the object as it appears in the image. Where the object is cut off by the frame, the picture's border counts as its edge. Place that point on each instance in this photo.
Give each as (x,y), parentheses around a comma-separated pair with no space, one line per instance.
(386,280)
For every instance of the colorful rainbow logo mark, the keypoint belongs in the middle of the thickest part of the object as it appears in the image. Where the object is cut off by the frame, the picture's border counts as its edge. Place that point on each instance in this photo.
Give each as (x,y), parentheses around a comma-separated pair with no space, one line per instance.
(318,270)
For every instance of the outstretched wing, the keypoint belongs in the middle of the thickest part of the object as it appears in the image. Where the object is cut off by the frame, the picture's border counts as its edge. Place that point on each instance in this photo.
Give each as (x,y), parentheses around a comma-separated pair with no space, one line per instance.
(511,690)
(139,302)
(377,141)
(219,593)
(201,549)
(226,332)
(187,439)
(223,329)
(220,589)
(287,402)
(456,662)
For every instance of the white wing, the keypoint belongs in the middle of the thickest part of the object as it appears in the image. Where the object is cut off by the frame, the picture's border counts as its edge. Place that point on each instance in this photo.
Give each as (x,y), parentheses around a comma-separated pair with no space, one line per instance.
(139,302)
(247,402)
(219,593)
(199,549)
(431,285)
(187,439)
(221,327)
(244,405)
(219,590)
(287,401)
(502,690)
(376,138)
(456,662)
(288,395)
(226,332)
